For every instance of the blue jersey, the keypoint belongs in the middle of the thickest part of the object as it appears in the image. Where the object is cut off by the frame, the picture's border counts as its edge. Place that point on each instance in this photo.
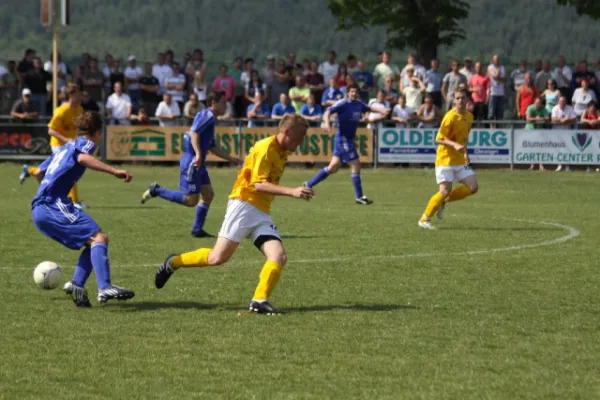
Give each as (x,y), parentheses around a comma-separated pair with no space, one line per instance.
(309,111)
(204,125)
(264,110)
(280,110)
(331,94)
(349,114)
(63,171)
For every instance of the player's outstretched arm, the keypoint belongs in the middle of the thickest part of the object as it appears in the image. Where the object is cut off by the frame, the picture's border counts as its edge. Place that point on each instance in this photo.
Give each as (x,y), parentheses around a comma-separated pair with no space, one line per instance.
(90,162)
(221,154)
(300,192)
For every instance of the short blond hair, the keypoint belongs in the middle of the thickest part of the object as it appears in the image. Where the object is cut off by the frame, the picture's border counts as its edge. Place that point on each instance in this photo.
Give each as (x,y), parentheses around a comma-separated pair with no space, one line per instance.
(292,121)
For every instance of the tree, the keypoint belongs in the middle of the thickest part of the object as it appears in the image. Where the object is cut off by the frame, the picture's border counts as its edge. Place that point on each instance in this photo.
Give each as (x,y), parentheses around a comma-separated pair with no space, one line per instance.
(587,7)
(420,24)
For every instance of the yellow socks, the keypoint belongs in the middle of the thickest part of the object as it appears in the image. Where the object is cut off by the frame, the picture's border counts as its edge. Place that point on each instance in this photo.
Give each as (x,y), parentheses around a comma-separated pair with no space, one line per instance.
(459,193)
(74,194)
(31,170)
(269,276)
(434,204)
(193,259)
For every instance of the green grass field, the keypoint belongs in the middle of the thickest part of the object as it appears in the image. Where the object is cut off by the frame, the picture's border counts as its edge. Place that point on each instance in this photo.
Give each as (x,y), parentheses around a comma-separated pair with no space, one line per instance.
(502,302)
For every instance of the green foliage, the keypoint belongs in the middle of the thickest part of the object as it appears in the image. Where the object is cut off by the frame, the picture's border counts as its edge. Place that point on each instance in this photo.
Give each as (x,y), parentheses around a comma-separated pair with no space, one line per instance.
(226,28)
(409,23)
(584,7)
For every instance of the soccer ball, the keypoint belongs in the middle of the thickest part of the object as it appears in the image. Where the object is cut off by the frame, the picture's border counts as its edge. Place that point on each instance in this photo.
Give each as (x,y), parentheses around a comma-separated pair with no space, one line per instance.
(47,275)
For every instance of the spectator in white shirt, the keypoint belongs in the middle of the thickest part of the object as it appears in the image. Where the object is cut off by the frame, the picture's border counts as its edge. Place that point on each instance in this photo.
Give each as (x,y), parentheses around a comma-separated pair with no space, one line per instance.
(582,97)
(161,71)
(168,111)
(497,74)
(329,68)
(63,70)
(563,117)
(414,93)
(518,75)
(175,85)
(132,74)
(467,70)
(419,70)
(563,74)
(385,69)
(118,106)
(401,113)
(376,119)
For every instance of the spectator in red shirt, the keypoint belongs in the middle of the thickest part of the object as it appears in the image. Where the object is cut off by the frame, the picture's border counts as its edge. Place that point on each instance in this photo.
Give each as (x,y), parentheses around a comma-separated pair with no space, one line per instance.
(342,76)
(479,86)
(526,95)
(225,83)
(590,119)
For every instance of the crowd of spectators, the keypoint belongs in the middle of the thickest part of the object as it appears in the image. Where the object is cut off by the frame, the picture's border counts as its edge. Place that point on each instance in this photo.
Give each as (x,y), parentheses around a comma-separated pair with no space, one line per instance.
(169,91)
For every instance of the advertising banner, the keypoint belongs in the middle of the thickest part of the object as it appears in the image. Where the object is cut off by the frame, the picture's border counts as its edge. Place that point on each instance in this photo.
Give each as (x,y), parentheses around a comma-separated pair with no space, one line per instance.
(155,143)
(575,147)
(485,146)
(24,140)
(317,146)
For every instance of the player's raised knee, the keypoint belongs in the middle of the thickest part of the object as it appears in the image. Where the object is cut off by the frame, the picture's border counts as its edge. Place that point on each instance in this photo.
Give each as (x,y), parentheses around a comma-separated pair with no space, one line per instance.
(281,259)
(474,188)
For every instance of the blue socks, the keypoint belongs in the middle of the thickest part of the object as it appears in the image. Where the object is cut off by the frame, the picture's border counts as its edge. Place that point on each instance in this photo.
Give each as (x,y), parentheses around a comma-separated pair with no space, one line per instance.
(99,259)
(201,212)
(171,195)
(83,268)
(319,177)
(357,184)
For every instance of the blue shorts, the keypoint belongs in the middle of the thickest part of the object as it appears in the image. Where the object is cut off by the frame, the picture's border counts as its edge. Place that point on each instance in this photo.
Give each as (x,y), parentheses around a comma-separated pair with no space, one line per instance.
(191,179)
(344,149)
(64,223)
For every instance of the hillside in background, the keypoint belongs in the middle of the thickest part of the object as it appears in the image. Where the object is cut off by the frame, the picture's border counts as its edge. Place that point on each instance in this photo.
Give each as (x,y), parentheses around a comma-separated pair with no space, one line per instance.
(224,28)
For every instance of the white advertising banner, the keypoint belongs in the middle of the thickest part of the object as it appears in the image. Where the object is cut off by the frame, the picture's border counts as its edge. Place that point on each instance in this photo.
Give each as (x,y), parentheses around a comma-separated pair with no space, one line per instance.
(485,146)
(574,147)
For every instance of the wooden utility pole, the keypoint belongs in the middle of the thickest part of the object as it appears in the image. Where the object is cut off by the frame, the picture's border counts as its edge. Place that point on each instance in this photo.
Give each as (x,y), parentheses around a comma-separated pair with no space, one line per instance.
(55,27)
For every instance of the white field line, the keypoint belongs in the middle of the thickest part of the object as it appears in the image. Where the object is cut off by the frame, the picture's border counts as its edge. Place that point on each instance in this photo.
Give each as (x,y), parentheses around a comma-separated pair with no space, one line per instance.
(571,234)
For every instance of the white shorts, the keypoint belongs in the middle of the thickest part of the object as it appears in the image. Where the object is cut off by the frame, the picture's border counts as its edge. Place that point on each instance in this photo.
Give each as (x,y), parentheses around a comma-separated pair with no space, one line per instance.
(453,173)
(243,220)
(55,149)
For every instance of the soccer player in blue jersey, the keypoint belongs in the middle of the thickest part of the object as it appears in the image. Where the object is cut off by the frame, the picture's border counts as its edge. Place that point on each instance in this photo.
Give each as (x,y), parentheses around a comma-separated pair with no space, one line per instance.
(349,112)
(195,189)
(56,216)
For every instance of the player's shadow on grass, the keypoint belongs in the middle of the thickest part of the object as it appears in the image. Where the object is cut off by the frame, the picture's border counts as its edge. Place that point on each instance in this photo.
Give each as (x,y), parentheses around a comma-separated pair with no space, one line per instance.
(353,307)
(156,305)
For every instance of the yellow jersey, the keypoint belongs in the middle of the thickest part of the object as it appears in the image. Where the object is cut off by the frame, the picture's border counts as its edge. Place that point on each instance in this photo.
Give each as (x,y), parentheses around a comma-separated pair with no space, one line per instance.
(63,122)
(455,127)
(265,163)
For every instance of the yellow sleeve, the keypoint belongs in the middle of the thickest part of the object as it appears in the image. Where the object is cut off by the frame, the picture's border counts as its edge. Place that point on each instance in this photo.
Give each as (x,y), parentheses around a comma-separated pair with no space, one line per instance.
(446,125)
(56,121)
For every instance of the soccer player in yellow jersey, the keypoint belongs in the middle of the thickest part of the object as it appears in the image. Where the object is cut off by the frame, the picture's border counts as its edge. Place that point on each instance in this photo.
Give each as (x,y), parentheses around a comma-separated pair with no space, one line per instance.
(62,129)
(452,160)
(248,214)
